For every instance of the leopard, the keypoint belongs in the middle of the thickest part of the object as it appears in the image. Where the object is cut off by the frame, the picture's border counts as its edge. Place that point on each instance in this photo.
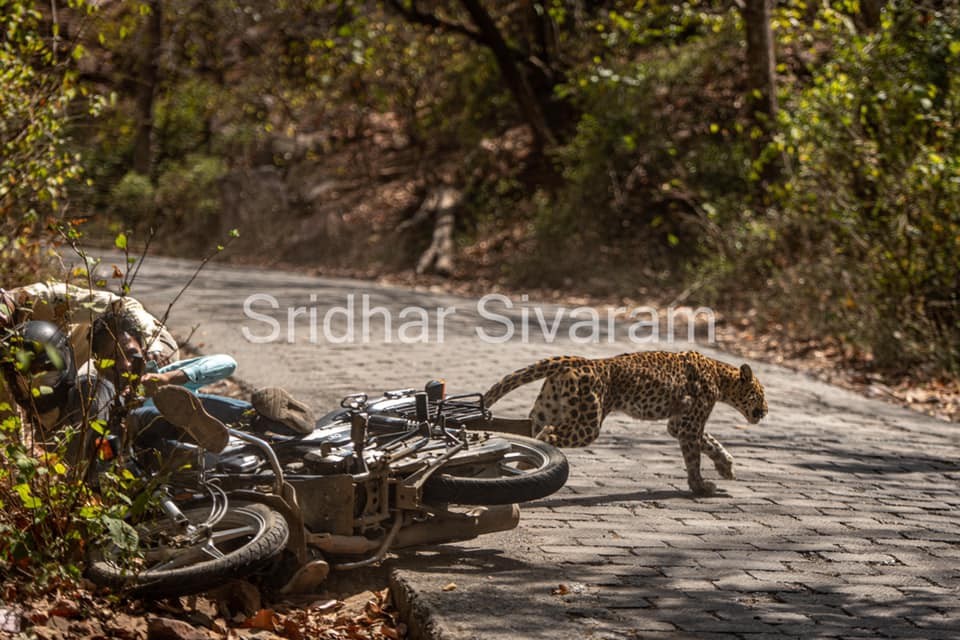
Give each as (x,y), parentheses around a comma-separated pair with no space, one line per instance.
(682,387)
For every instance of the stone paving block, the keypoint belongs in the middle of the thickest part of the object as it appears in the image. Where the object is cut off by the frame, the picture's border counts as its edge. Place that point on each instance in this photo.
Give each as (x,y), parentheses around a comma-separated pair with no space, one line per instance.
(791,577)
(837,568)
(693,585)
(808,543)
(887,578)
(720,564)
(871,593)
(907,632)
(742,625)
(592,527)
(708,542)
(578,549)
(622,599)
(694,571)
(620,542)
(928,545)
(743,581)
(932,535)
(640,540)
(768,555)
(865,558)
(927,618)
(781,617)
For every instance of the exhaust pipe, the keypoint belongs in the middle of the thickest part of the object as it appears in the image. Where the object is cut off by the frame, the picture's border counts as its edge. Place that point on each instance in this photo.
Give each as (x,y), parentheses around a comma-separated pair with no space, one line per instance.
(447,527)
(459,527)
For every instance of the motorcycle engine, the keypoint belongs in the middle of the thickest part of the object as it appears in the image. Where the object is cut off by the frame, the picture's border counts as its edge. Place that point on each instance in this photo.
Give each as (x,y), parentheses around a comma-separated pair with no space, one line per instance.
(238,464)
(320,462)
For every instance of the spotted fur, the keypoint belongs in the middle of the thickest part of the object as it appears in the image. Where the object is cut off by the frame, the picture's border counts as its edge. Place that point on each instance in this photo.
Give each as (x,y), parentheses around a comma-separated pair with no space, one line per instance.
(579,393)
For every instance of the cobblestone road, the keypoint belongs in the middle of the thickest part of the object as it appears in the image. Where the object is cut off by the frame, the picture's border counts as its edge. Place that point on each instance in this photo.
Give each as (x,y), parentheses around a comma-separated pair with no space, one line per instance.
(843,522)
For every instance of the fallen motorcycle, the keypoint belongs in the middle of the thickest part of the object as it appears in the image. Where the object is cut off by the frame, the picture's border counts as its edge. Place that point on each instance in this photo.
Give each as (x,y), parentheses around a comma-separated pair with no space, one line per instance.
(410,468)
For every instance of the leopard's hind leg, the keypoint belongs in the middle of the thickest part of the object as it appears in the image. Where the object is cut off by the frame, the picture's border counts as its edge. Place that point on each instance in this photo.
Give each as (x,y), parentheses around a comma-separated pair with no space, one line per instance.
(568,411)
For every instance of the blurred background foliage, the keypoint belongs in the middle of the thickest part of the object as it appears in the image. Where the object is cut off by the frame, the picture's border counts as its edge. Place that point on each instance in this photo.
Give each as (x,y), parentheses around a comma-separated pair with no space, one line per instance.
(627,149)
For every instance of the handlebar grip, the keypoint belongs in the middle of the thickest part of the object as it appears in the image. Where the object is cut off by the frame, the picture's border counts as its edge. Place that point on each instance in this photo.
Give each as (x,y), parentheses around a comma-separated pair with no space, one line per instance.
(422,411)
(387,422)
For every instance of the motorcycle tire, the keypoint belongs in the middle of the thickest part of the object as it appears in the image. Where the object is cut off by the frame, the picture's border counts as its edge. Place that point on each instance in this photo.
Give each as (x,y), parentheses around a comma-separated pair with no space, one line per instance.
(251,535)
(531,470)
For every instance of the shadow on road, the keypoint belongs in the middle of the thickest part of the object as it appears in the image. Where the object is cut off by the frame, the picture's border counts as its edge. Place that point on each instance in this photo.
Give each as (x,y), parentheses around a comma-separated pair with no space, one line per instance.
(494,595)
(598,500)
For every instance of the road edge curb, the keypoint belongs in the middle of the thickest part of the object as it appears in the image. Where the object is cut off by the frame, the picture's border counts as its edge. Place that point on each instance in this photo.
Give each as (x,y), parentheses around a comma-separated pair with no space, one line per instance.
(416,613)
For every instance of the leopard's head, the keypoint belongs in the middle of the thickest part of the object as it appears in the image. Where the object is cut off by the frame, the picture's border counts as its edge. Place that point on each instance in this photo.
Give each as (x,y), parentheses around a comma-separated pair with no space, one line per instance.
(747,396)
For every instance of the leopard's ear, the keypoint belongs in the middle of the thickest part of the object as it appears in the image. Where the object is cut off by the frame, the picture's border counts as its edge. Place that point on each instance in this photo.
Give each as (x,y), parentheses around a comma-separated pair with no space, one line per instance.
(745,373)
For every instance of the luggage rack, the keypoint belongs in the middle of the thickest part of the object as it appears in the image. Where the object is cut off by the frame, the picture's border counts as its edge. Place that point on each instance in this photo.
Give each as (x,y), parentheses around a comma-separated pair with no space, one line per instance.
(458,410)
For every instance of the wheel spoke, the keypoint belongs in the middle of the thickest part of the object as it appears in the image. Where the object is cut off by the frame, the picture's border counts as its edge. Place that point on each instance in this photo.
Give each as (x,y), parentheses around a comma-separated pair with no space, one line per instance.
(181,558)
(219,537)
(200,550)
(211,550)
(507,470)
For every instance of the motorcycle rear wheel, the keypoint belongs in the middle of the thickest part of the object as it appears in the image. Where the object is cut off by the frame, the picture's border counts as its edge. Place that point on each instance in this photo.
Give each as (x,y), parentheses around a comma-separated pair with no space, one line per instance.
(173,564)
(530,470)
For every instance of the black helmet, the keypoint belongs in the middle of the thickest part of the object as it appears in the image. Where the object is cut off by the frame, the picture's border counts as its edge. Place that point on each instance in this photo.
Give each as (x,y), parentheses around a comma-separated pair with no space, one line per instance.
(46,348)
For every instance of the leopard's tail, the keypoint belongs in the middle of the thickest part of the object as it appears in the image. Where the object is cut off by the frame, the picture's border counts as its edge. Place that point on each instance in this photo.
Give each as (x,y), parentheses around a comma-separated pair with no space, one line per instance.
(528,374)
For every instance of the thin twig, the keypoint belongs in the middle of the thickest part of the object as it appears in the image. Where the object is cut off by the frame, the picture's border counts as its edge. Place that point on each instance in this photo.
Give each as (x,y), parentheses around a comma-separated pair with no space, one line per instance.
(128,285)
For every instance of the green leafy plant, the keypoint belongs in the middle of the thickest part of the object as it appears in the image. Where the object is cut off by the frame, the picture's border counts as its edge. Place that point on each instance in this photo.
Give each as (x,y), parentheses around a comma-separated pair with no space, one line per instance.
(864,226)
(38,86)
(48,513)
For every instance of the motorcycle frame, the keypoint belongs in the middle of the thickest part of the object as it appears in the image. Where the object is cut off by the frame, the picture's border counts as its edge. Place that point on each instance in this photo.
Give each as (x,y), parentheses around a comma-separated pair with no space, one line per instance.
(400,522)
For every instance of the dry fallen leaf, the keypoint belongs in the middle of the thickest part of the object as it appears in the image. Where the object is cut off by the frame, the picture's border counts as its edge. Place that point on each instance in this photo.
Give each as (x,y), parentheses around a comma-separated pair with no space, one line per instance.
(389,632)
(264,619)
(561,590)
(64,609)
(450,586)
(292,630)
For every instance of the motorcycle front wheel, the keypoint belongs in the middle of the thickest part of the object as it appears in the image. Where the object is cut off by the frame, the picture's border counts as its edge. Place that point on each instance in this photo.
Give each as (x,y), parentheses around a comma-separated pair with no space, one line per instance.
(524,470)
(174,560)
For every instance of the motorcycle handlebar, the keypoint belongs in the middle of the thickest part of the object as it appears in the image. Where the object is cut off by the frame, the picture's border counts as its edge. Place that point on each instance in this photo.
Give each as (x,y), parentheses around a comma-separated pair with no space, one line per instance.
(387,422)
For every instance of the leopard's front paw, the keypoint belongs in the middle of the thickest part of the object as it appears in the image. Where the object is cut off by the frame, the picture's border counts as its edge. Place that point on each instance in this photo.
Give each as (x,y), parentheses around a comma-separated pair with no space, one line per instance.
(725,469)
(549,435)
(703,488)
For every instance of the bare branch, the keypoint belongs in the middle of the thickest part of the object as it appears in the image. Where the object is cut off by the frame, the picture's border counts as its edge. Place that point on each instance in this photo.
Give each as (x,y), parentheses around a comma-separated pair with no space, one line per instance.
(413,14)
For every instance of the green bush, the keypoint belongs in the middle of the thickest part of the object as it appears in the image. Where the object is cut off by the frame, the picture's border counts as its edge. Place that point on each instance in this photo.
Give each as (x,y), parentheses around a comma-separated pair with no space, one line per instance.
(133,199)
(36,170)
(48,514)
(188,191)
(862,235)
(649,166)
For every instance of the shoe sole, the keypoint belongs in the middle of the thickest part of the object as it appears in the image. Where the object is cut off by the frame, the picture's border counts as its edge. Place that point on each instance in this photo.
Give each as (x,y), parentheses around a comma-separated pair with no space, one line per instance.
(185,410)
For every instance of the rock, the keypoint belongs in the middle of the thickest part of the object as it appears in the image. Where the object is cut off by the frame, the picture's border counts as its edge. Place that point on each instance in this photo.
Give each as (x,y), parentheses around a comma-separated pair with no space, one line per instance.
(236,597)
(10,620)
(57,628)
(121,625)
(170,629)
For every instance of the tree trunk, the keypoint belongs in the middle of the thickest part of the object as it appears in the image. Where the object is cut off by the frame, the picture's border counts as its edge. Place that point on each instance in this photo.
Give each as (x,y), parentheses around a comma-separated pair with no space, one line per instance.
(147,89)
(762,86)
(516,82)
(870,12)
(439,257)
(761,62)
